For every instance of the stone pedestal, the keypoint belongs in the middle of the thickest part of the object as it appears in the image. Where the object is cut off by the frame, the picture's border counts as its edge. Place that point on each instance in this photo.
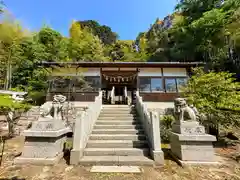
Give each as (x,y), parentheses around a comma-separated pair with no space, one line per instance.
(44,142)
(191,144)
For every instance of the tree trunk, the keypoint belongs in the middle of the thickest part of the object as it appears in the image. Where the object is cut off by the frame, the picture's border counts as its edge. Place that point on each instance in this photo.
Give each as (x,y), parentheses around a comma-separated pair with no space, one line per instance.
(8,76)
(10,129)
(10,117)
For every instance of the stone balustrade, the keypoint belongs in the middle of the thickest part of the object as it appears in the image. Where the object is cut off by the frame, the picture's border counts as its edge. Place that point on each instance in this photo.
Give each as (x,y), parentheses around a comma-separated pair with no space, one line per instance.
(112,96)
(126,95)
(83,128)
(150,122)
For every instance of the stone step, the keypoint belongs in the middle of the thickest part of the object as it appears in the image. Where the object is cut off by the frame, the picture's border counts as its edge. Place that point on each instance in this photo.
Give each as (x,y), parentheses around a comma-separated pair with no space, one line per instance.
(112,126)
(132,137)
(117,115)
(116,106)
(116,160)
(117,118)
(118,112)
(117,122)
(117,144)
(117,131)
(120,108)
(116,152)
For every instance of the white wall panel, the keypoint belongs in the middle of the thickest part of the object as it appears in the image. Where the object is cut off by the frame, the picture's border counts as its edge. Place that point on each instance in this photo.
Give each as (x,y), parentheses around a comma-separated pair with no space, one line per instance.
(92,72)
(150,72)
(76,72)
(174,72)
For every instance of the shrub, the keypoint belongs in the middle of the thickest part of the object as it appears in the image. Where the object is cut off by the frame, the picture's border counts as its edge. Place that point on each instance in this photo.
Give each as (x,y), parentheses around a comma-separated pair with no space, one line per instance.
(37,97)
(165,127)
(12,110)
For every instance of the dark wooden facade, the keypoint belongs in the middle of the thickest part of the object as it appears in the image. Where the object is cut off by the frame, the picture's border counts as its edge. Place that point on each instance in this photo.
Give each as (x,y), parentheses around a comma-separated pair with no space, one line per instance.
(78,96)
(159,97)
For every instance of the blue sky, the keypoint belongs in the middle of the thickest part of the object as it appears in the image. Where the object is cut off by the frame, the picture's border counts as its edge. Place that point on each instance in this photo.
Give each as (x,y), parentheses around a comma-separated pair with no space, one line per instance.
(126,17)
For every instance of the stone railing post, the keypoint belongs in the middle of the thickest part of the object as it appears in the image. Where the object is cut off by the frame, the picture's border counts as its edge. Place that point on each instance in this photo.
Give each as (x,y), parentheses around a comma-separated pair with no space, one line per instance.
(77,151)
(155,131)
(151,124)
(156,150)
(112,96)
(83,128)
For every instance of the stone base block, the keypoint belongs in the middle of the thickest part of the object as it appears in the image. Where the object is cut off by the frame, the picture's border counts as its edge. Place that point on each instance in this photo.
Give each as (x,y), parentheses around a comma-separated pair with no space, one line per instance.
(43,147)
(75,156)
(188,127)
(192,163)
(196,148)
(44,133)
(158,157)
(38,161)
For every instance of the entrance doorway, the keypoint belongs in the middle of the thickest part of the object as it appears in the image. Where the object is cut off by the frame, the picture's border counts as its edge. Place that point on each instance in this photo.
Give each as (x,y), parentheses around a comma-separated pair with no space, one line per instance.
(119,95)
(118,87)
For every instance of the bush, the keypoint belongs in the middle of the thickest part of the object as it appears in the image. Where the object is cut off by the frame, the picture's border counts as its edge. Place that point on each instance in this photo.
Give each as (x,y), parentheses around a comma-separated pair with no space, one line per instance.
(165,127)
(37,97)
(12,110)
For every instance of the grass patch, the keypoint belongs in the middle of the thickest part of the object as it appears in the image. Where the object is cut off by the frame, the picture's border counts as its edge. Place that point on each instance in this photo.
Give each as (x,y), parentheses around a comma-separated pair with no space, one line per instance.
(165,146)
(69,143)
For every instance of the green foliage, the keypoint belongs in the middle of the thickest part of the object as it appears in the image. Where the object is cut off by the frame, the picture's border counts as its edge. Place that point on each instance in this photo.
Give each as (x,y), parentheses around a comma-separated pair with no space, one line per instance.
(165,127)
(216,94)
(7,106)
(206,30)
(104,33)
(53,44)
(128,50)
(84,45)
(37,97)
(10,38)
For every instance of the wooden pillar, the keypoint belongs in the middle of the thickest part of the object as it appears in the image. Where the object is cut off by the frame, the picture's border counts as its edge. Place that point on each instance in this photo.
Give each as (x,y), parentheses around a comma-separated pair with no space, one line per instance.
(101,79)
(137,79)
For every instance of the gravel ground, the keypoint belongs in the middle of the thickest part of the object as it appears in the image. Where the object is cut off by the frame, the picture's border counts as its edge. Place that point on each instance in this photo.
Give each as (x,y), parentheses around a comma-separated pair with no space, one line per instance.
(228,170)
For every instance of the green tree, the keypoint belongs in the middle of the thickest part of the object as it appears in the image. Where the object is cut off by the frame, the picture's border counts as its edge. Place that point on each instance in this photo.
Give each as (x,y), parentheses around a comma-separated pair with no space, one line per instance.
(83,45)
(28,75)
(104,33)
(54,44)
(216,94)
(193,9)
(206,31)
(12,110)
(11,35)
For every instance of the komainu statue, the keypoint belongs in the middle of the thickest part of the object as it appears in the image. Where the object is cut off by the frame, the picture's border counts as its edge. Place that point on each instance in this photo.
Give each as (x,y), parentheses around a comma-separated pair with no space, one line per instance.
(46,110)
(54,109)
(183,112)
(59,104)
(188,139)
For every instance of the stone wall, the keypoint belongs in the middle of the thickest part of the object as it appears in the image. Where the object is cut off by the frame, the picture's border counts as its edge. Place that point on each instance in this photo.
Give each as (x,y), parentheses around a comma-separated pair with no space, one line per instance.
(24,120)
(161,107)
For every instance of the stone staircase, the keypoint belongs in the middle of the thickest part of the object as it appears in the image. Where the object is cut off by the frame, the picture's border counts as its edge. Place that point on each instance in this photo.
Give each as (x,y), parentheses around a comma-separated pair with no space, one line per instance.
(117,139)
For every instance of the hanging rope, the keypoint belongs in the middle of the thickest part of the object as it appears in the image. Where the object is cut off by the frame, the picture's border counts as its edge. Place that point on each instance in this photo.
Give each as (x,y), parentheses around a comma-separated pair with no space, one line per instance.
(119,78)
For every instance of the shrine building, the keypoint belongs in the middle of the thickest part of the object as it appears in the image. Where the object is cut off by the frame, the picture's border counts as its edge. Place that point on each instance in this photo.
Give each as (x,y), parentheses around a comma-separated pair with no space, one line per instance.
(158,83)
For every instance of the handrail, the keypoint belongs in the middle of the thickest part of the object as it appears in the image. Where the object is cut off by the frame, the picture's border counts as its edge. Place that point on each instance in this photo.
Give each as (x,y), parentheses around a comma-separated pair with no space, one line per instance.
(150,121)
(84,124)
(112,96)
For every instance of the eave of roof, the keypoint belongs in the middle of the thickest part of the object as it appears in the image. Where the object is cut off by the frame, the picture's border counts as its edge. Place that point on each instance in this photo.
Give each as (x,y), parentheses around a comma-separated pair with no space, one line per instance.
(122,64)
